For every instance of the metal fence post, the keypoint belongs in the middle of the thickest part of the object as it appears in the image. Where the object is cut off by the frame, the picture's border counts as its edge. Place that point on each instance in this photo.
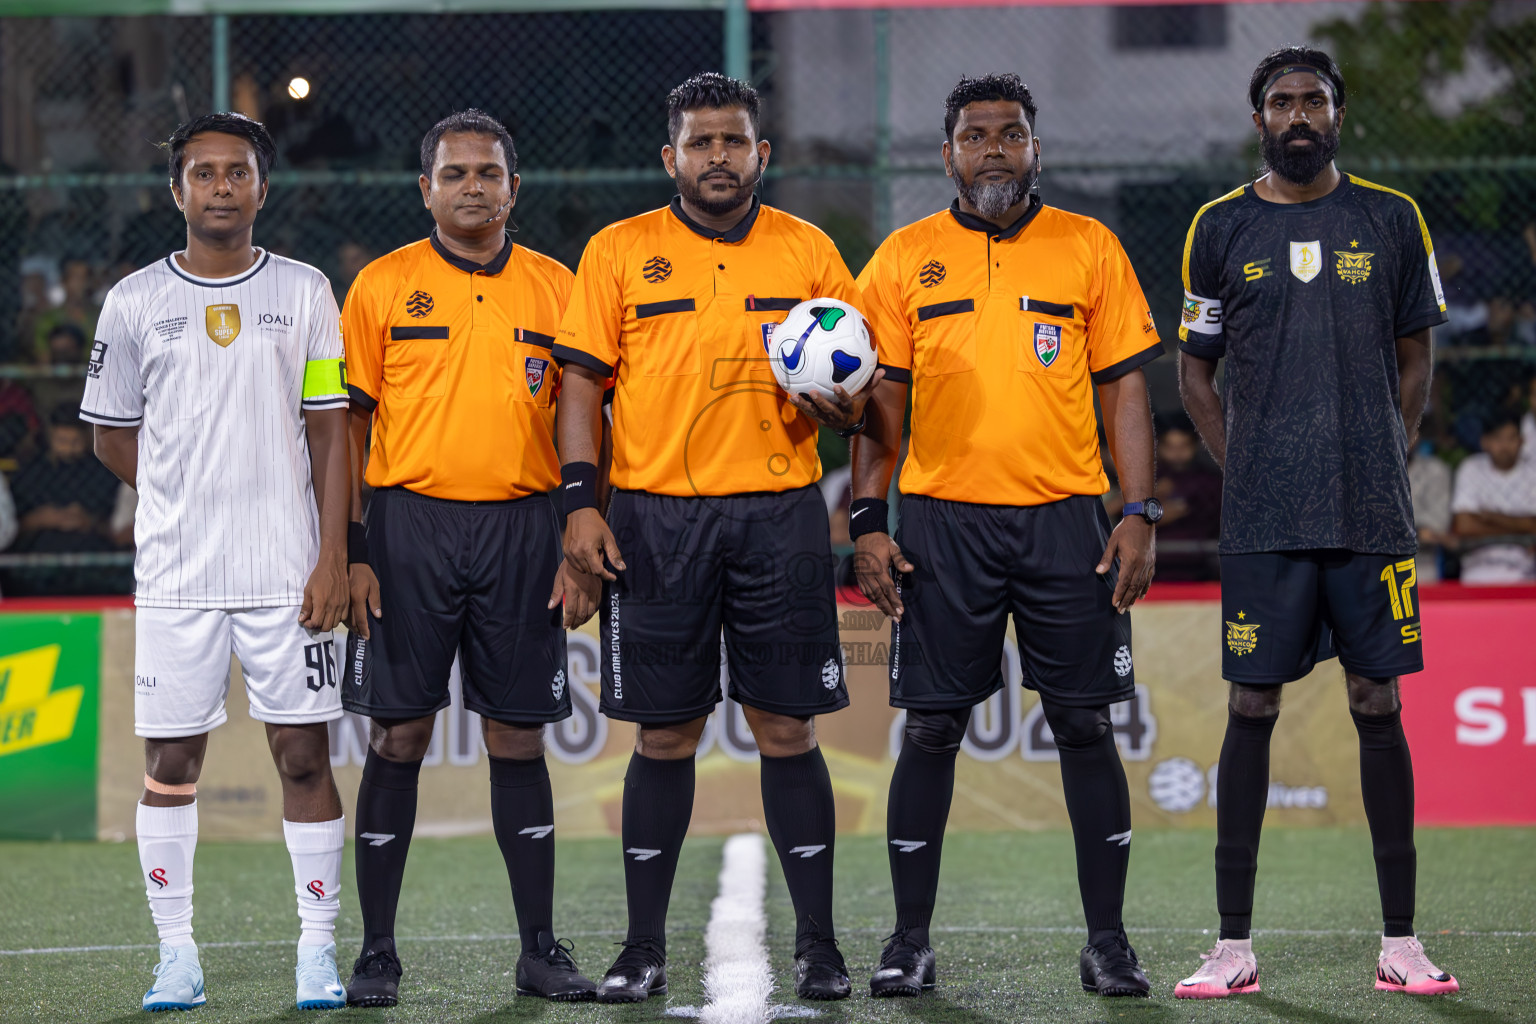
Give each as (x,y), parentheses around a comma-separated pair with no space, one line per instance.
(220,63)
(882,124)
(738,40)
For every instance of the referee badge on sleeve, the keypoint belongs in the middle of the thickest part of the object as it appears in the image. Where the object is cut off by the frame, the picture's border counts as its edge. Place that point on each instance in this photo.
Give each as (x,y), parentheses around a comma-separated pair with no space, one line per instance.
(1047,343)
(223,322)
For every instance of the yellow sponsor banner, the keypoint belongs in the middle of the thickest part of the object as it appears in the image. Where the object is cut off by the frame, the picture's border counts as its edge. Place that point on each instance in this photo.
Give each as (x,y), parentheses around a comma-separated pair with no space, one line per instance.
(1007,775)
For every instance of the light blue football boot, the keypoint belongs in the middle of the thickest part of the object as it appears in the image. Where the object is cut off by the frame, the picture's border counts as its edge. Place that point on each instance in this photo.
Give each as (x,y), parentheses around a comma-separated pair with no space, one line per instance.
(178,980)
(320,987)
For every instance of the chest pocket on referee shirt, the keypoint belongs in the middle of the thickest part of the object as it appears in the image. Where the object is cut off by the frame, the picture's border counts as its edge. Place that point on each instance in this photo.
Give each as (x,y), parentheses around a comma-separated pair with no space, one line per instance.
(945,339)
(665,342)
(416,362)
(1052,338)
(534,375)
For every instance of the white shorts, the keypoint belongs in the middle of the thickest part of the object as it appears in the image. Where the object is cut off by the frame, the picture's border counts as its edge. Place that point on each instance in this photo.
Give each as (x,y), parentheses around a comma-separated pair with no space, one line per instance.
(181,669)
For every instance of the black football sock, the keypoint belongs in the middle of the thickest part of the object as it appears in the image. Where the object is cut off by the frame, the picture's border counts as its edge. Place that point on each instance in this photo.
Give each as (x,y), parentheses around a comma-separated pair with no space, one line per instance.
(382,824)
(1386,784)
(916,812)
(1099,806)
(523,814)
(658,803)
(1242,793)
(802,822)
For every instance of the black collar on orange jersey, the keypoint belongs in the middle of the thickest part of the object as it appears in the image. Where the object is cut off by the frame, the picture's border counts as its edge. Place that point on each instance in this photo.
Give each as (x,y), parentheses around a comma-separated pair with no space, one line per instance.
(496,266)
(974,223)
(732,236)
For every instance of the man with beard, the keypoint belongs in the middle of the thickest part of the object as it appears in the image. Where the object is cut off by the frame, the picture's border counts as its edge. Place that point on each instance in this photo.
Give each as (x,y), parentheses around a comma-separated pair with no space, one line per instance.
(1003,316)
(1320,290)
(716,511)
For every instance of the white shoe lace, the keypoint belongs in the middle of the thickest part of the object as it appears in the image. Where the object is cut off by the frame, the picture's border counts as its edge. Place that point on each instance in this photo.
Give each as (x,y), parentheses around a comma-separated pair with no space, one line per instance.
(318,971)
(175,968)
(1411,956)
(1213,969)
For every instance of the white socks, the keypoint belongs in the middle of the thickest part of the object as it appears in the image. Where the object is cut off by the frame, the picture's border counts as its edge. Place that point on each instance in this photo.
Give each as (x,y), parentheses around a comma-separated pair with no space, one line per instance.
(315,848)
(167,842)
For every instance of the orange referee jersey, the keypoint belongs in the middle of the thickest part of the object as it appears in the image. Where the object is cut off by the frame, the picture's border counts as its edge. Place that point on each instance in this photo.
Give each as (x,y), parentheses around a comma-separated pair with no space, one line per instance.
(1002,335)
(676,314)
(453,358)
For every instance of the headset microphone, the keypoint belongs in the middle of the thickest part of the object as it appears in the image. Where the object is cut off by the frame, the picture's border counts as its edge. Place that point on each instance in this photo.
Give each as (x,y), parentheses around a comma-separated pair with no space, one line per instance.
(500,209)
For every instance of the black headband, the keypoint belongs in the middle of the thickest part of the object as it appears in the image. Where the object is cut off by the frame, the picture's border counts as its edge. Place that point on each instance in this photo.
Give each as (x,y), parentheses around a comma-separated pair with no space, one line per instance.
(1290,69)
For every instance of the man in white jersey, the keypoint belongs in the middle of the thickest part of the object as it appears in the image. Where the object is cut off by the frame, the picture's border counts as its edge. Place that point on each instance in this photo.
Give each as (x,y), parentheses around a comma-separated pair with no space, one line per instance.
(216,388)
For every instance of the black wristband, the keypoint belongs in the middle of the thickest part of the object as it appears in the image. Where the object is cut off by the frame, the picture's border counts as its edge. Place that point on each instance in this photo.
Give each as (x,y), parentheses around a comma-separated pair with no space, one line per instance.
(868,515)
(856,429)
(578,486)
(357,544)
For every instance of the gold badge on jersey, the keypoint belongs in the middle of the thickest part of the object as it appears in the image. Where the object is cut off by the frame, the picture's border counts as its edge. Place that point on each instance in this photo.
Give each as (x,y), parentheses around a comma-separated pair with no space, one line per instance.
(1306,259)
(223,323)
(1242,637)
(1353,267)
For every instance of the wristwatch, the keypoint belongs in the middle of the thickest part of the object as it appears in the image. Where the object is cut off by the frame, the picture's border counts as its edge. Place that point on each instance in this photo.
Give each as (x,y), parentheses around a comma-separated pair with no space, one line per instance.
(1151,510)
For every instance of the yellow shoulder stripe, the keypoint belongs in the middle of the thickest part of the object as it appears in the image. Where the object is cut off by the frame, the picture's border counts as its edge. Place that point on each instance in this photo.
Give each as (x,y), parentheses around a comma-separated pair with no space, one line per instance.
(1429,248)
(1189,239)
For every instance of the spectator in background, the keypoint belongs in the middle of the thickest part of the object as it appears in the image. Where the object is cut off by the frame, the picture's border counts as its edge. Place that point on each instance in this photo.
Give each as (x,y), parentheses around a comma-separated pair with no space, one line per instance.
(77,309)
(1190,491)
(1496,497)
(64,346)
(34,302)
(64,496)
(1528,422)
(1429,481)
(351,258)
(19,424)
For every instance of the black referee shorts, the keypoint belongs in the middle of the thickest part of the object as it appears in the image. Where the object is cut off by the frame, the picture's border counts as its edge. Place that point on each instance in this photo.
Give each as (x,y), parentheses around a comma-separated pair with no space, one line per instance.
(1284,611)
(757,567)
(471,577)
(976,564)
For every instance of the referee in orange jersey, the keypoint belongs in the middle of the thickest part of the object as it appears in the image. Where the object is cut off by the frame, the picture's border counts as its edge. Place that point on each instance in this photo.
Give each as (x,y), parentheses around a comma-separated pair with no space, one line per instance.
(448,351)
(716,510)
(1003,316)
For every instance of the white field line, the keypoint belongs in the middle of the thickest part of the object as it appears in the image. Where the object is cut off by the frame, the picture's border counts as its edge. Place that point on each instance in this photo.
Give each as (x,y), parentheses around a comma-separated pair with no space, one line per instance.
(956,930)
(737,981)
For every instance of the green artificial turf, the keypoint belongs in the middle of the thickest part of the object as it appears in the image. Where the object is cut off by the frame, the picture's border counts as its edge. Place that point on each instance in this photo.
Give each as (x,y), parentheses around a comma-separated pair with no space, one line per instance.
(1007,930)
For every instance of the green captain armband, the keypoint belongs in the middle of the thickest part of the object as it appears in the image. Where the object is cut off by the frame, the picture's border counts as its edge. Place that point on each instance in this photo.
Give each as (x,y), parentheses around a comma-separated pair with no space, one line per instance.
(325,378)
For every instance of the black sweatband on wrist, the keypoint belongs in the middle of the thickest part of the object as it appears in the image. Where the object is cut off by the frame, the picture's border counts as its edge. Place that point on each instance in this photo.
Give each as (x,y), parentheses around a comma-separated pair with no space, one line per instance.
(357,544)
(578,486)
(868,515)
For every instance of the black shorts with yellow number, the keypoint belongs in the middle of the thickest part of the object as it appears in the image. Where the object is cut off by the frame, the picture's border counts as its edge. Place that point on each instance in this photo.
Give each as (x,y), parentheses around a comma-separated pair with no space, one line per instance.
(757,568)
(1284,611)
(973,565)
(465,577)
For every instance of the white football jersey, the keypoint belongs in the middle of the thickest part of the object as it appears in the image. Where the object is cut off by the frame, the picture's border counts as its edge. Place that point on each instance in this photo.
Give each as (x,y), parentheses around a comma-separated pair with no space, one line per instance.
(217,373)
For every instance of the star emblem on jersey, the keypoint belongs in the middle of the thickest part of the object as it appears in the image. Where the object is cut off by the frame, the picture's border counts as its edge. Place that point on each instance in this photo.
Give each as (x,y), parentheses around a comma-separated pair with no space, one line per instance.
(557,685)
(931,274)
(223,322)
(1353,267)
(1242,638)
(1123,661)
(533,369)
(1306,259)
(419,304)
(1047,343)
(657,269)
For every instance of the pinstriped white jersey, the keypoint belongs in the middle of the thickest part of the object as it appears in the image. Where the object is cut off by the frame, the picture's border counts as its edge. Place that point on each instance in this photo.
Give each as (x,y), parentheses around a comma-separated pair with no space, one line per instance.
(214,373)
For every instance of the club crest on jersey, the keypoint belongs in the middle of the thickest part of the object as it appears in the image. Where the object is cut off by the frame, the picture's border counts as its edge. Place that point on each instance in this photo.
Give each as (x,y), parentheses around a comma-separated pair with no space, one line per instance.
(1242,637)
(419,304)
(223,322)
(657,269)
(534,370)
(1353,267)
(1306,259)
(1047,343)
(931,274)
(1191,312)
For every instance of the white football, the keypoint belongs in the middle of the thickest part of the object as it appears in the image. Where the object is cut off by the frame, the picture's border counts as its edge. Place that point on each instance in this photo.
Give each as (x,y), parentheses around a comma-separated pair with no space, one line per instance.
(821,343)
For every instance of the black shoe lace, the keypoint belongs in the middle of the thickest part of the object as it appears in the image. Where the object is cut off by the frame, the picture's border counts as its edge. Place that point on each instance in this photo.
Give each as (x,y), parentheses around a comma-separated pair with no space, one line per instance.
(823,952)
(559,956)
(376,962)
(896,942)
(638,953)
(1118,955)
